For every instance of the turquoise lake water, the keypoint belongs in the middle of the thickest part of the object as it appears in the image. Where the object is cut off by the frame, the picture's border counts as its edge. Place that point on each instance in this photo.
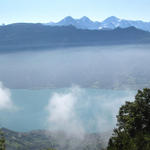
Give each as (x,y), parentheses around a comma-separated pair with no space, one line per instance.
(95,108)
(95,69)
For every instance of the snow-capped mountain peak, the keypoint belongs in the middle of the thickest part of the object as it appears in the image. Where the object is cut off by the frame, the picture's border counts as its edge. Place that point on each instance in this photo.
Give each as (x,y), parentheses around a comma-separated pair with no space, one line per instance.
(85,19)
(109,23)
(111,19)
(67,19)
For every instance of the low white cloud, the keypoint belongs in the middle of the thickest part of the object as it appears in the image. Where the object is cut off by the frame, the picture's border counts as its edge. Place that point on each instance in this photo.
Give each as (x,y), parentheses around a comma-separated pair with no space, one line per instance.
(110,108)
(62,115)
(74,113)
(77,110)
(5,99)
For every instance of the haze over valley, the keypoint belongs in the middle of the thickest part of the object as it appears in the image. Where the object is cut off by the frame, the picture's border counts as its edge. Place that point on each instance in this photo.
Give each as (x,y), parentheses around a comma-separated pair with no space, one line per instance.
(68,82)
(107,67)
(73,78)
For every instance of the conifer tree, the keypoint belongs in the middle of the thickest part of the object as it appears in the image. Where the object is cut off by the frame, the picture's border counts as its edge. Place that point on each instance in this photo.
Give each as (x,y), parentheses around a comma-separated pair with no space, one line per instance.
(133,124)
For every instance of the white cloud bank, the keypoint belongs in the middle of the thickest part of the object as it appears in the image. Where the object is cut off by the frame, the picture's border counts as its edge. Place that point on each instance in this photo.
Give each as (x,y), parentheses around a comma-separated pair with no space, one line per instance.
(74,113)
(62,115)
(68,111)
(5,99)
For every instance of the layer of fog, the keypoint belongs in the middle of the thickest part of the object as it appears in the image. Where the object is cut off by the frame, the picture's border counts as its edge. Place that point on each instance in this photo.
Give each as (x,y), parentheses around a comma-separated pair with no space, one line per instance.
(76,118)
(104,67)
(72,129)
(62,113)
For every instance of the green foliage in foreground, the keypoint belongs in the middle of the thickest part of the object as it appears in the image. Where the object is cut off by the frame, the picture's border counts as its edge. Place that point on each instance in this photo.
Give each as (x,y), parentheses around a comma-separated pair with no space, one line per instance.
(2,141)
(133,127)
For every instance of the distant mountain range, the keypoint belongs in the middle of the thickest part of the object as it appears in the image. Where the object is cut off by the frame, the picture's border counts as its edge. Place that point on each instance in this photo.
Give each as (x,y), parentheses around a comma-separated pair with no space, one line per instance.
(109,23)
(38,36)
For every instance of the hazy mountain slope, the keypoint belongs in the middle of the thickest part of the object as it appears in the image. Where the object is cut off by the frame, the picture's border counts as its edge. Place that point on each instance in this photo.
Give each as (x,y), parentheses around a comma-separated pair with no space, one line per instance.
(33,36)
(36,140)
(109,23)
(42,139)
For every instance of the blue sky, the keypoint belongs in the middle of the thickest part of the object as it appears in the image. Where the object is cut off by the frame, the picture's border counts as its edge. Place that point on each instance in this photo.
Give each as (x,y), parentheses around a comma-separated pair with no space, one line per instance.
(12,11)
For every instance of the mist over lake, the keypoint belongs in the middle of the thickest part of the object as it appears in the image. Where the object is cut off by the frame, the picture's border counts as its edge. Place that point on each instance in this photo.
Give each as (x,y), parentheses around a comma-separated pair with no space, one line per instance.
(74,75)
(68,109)
(98,67)
(84,85)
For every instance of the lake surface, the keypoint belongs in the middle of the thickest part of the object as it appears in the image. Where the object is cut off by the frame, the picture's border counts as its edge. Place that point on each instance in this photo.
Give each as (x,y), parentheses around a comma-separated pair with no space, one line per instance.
(95,109)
